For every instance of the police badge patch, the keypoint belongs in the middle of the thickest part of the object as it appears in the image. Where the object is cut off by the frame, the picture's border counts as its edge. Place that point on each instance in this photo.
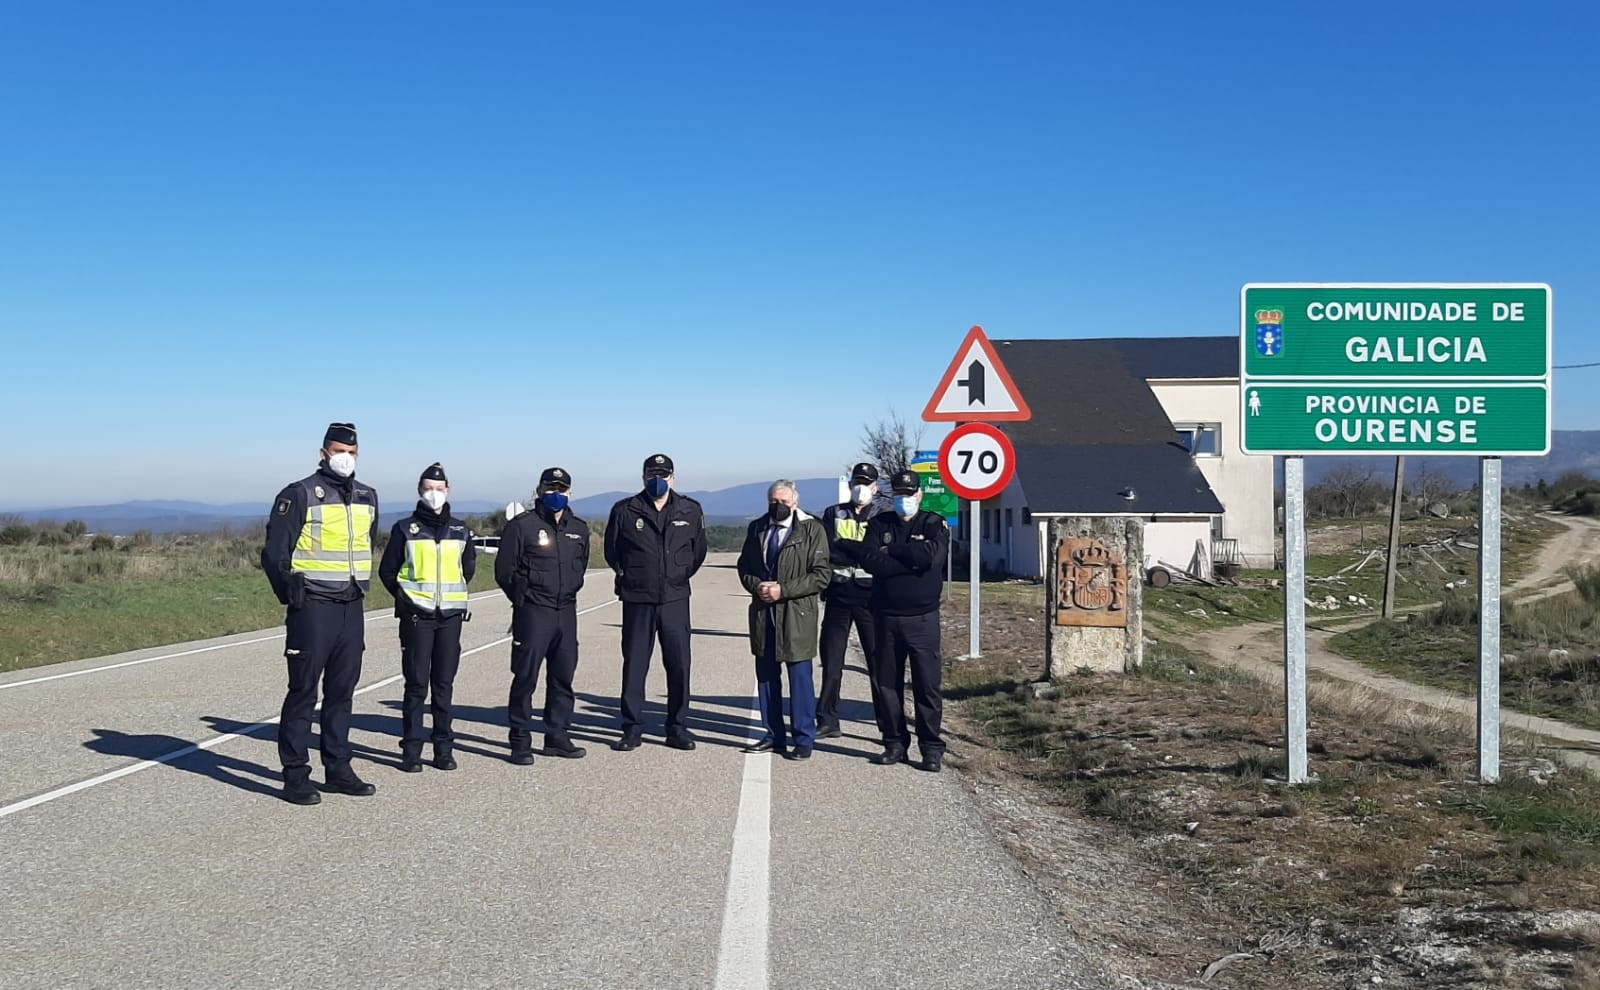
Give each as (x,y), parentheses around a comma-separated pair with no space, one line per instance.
(414,529)
(638,524)
(1269,332)
(544,537)
(283,506)
(319,491)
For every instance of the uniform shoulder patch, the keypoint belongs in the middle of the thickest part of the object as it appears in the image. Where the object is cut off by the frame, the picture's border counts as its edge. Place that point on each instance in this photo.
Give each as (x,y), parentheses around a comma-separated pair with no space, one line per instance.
(638,524)
(319,492)
(283,506)
(413,529)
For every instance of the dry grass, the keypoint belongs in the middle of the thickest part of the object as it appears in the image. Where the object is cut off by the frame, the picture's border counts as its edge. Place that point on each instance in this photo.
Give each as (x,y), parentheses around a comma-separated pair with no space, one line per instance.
(1181,767)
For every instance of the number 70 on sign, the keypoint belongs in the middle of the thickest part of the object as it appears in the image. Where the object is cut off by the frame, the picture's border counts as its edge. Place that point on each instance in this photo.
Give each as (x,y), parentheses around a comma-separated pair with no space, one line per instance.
(977,461)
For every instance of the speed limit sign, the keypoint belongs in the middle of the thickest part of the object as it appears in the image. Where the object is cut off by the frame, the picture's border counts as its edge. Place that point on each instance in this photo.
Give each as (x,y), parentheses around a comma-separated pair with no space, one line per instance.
(977,461)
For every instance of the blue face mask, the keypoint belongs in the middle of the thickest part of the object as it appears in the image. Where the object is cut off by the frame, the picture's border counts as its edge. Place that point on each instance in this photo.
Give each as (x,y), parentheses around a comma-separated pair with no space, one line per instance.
(906,505)
(655,487)
(554,501)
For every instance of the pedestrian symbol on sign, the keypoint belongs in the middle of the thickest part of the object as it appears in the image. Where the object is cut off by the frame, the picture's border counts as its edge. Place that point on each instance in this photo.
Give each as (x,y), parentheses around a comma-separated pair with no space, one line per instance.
(1255,403)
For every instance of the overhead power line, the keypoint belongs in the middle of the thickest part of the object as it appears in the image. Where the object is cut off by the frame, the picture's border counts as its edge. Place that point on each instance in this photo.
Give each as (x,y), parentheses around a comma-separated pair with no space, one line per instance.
(1591,364)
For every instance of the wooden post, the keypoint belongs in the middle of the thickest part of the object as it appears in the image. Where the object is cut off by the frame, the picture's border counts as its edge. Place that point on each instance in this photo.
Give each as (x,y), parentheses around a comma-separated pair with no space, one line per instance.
(1394,537)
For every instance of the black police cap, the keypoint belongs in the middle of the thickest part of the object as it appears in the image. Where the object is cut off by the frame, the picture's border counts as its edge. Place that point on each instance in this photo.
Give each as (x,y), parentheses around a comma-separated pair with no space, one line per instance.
(905,483)
(864,473)
(555,477)
(657,465)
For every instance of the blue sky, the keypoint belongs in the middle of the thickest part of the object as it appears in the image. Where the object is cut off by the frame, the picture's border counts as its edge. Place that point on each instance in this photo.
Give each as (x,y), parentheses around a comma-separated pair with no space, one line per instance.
(512,235)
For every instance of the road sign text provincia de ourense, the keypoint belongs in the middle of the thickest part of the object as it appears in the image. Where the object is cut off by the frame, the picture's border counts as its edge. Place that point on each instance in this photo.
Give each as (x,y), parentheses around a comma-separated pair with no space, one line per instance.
(1396,369)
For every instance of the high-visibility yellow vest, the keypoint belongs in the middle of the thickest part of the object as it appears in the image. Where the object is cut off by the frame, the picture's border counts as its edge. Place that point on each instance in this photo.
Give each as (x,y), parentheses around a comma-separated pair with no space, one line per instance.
(432,576)
(335,544)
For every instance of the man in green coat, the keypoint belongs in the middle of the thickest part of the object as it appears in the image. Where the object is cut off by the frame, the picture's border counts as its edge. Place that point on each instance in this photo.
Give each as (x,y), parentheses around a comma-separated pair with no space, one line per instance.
(784,565)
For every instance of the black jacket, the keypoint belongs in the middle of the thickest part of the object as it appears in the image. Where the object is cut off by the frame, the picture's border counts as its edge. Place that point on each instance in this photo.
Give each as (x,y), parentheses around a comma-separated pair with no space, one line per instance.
(905,558)
(542,561)
(284,523)
(430,525)
(851,584)
(655,554)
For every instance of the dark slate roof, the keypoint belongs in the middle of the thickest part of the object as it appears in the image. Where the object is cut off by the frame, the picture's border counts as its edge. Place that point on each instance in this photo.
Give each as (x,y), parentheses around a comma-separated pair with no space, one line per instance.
(1088,480)
(1097,427)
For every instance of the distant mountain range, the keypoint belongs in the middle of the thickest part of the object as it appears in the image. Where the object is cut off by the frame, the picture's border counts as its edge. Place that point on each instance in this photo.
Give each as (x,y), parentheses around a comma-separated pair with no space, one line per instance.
(1570,450)
(724,506)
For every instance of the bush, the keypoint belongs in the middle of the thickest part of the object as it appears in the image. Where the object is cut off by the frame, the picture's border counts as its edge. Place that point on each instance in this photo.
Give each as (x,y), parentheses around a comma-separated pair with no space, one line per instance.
(16,535)
(142,538)
(75,528)
(1587,581)
(103,541)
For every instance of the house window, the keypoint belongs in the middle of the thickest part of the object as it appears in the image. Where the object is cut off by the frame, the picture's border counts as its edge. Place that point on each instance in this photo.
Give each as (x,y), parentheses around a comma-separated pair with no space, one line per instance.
(1201,439)
(1027,517)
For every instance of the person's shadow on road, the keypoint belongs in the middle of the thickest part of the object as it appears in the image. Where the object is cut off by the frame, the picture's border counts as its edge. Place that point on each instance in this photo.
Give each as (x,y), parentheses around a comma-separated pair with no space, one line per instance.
(243,774)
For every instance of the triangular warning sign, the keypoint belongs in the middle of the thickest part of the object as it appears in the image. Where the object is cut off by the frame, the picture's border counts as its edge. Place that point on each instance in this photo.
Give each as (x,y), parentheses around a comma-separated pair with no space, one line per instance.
(976,388)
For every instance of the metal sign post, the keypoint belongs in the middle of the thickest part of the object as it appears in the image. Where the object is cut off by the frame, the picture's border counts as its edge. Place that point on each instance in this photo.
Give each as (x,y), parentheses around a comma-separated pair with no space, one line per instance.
(1294,615)
(1489,621)
(974,578)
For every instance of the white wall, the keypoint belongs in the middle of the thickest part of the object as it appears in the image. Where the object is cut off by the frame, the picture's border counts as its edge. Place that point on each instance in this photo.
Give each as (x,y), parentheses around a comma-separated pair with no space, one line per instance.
(1243,484)
(1172,540)
(1017,545)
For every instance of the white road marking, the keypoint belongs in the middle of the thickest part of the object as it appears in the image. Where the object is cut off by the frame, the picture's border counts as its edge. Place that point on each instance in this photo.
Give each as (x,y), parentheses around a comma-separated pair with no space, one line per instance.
(189,653)
(216,741)
(742,954)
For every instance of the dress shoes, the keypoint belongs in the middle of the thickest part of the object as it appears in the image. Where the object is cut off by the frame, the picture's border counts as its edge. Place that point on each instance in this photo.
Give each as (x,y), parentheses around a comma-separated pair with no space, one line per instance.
(411,762)
(301,792)
(442,760)
(681,740)
(764,746)
(932,764)
(798,753)
(628,743)
(522,757)
(832,732)
(890,756)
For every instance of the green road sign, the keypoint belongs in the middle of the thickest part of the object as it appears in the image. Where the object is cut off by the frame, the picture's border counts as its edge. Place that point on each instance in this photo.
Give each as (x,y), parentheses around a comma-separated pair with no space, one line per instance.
(1493,419)
(935,496)
(1395,369)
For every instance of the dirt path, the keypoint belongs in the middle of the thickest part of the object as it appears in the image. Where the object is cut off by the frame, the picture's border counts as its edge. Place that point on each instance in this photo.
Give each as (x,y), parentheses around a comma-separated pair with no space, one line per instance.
(1258,647)
(1580,544)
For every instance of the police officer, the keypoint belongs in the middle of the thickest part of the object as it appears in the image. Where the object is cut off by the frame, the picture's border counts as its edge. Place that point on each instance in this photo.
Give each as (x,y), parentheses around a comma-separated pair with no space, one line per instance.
(848,595)
(655,542)
(427,566)
(541,564)
(904,550)
(318,558)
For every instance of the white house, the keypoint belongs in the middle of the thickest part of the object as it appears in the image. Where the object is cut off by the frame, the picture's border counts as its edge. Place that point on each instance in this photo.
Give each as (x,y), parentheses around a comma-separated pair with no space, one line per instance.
(1145,427)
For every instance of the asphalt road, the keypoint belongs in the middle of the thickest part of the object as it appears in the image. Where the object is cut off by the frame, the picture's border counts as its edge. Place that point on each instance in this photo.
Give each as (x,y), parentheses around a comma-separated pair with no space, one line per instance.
(124,866)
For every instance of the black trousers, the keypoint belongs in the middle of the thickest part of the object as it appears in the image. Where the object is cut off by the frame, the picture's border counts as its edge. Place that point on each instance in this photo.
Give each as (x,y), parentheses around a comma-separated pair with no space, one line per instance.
(642,625)
(837,617)
(540,634)
(430,654)
(323,642)
(914,638)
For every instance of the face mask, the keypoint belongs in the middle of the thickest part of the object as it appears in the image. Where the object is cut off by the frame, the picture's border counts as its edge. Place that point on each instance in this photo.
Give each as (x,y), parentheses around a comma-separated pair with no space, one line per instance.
(906,505)
(342,464)
(655,487)
(435,498)
(554,501)
(860,494)
(779,512)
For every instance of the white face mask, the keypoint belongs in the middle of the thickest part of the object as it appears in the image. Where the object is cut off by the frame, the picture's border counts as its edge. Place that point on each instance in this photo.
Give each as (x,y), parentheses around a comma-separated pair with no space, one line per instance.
(342,464)
(860,494)
(435,498)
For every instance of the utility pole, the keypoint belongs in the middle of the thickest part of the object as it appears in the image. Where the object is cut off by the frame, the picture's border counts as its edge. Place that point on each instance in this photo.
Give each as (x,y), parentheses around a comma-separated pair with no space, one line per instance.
(1389,570)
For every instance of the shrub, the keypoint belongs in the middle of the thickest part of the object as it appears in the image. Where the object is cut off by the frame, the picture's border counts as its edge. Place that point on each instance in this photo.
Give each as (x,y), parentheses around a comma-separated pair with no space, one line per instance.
(103,541)
(16,535)
(75,528)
